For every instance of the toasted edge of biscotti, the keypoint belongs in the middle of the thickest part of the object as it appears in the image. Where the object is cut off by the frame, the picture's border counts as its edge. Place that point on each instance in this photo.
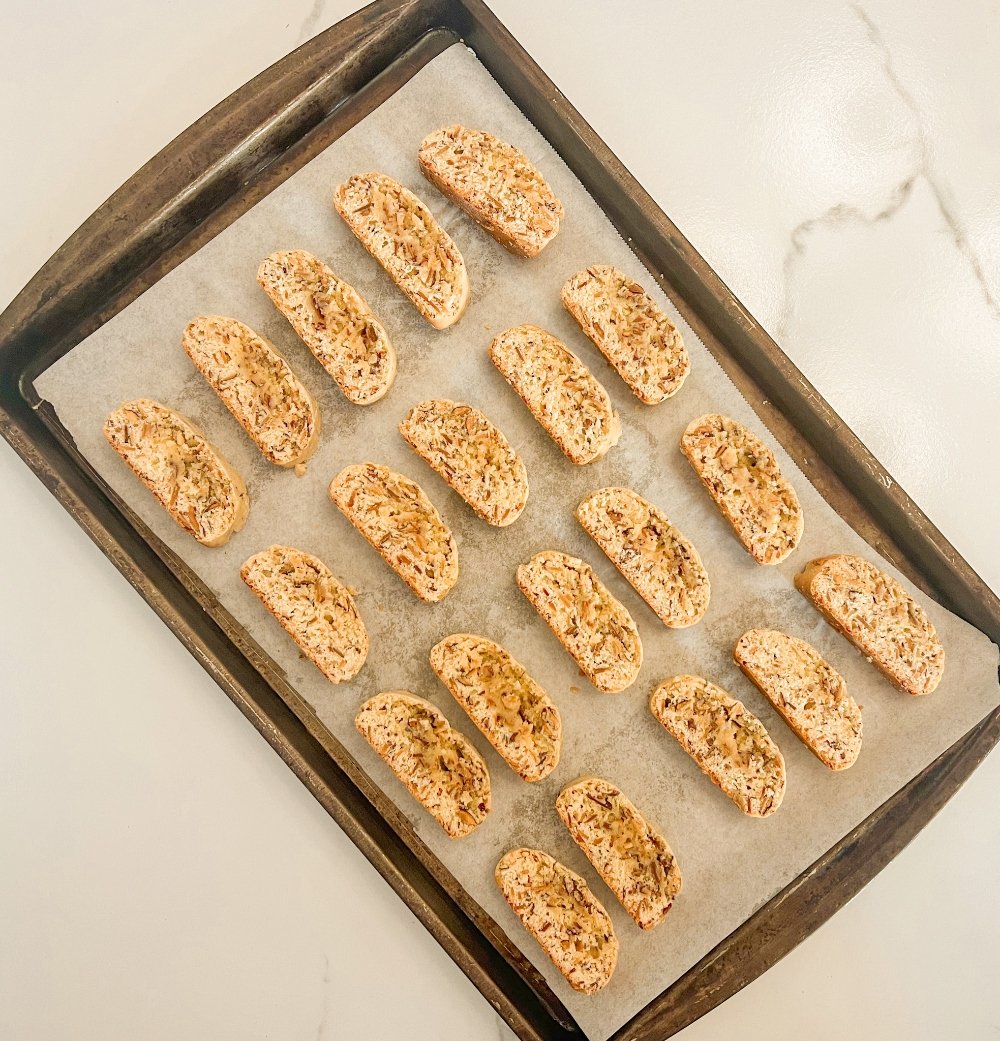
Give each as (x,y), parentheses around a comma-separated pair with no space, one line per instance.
(496,184)
(807,691)
(464,448)
(593,626)
(394,514)
(626,850)
(420,258)
(560,391)
(656,559)
(558,909)
(333,320)
(629,328)
(255,382)
(513,712)
(879,617)
(439,766)
(312,606)
(216,505)
(742,476)
(685,705)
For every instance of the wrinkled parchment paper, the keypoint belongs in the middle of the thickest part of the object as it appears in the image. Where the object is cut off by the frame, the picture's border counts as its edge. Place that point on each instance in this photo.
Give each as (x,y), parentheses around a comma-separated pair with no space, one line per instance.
(730,863)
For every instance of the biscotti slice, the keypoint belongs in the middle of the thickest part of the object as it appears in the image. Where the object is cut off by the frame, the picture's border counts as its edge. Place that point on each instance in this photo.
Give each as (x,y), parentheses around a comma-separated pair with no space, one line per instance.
(403,236)
(726,740)
(176,462)
(593,626)
(472,455)
(559,390)
(809,693)
(879,617)
(397,518)
(557,907)
(333,321)
(630,330)
(439,766)
(256,384)
(630,855)
(513,712)
(662,566)
(313,608)
(742,476)
(496,184)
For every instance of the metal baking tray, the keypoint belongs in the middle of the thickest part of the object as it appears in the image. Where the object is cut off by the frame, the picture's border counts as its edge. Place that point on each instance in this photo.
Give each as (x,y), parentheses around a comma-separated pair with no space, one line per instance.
(219,168)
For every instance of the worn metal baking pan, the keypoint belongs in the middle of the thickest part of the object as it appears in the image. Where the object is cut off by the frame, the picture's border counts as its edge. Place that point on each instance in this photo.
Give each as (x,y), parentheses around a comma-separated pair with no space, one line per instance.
(218,169)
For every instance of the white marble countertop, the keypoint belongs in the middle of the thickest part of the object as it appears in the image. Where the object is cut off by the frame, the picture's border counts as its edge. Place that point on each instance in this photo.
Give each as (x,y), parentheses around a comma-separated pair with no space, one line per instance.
(164,875)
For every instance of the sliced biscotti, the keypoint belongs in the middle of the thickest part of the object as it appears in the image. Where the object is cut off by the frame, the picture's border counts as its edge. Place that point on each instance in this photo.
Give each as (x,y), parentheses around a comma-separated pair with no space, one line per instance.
(257,385)
(726,740)
(496,184)
(177,463)
(662,566)
(593,626)
(439,766)
(557,907)
(808,692)
(313,608)
(333,321)
(403,236)
(630,330)
(559,390)
(630,855)
(471,454)
(879,617)
(743,477)
(514,713)
(397,518)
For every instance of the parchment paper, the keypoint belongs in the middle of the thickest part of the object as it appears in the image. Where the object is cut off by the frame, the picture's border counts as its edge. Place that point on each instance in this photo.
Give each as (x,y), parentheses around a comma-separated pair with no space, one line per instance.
(730,863)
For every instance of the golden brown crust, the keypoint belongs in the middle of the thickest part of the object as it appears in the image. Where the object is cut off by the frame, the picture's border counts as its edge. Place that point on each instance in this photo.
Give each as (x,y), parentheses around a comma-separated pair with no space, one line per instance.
(496,184)
(177,463)
(726,740)
(630,330)
(557,907)
(879,617)
(808,692)
(439,766)
(630,855)
(743,477)
(316,610)
(513,712)
(403,236)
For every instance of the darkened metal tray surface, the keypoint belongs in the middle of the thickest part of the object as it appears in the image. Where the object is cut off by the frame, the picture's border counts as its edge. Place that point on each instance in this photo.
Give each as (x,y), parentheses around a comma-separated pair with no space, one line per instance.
(218,169)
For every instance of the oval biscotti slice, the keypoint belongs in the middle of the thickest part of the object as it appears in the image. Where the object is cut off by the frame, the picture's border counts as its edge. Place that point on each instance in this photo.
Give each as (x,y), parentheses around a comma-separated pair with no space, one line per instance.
(438,765)
(403,236)
(496,184)
(879,617)
(177,463)
(559,390)
(333,321)
(662,566)
(742,476)
(257,385)
(397,518)
(809,693)
(557,907)
(514,713)
(313,608)
(472,455)
(630,330)
(726,740)
(593,626)
(630,855)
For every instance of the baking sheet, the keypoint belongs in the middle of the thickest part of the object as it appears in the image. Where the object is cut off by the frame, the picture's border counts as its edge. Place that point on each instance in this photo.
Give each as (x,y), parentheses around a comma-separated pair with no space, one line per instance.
(731,864)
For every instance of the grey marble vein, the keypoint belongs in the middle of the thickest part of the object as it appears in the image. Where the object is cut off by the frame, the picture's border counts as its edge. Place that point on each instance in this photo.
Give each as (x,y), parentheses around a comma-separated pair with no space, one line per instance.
(327,979)
(311,20)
